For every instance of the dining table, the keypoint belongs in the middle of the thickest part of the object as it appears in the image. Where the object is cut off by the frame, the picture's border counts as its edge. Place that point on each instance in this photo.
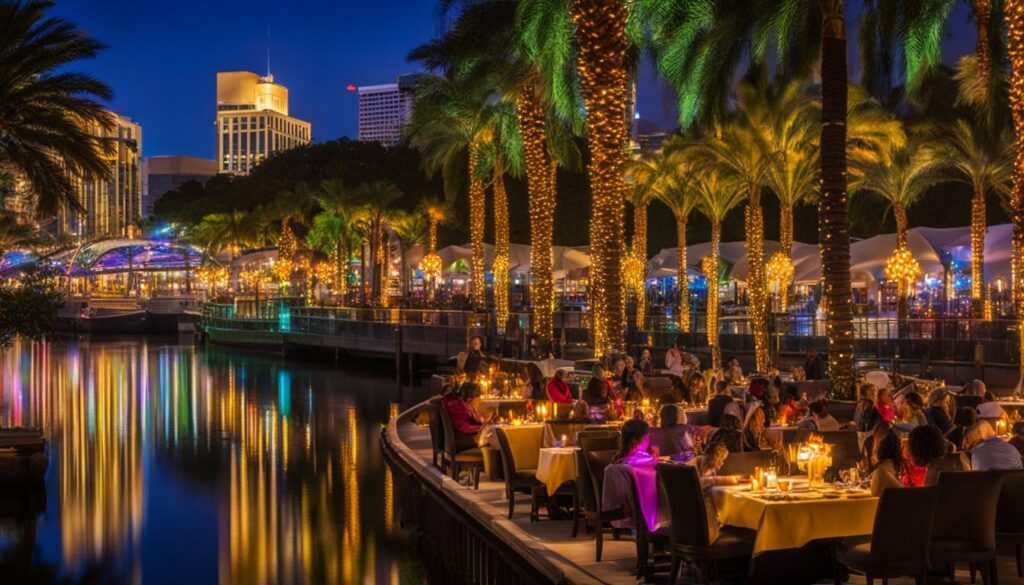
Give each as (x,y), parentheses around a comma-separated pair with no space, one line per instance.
(556,466)
(792,519)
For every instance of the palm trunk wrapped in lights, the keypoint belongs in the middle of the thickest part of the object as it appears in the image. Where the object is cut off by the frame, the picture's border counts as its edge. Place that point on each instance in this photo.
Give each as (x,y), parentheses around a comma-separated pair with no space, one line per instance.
(978,228)
(383,259)
(780,265)
(710,268)
(431,262)
(682,281)
(500,266)
(1014,14)
(540,184)
(757,278)
(833,204)
(601,66)
(638,258)
(982,20)
(477,222)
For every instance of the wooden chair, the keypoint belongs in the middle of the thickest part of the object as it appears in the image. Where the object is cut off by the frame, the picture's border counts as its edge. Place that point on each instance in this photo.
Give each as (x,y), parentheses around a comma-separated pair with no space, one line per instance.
(518,480)
(644,537)
(691,537)
(1010,515)
(456,461)
(436,434)
(899,542)
(965,529)
(597,448)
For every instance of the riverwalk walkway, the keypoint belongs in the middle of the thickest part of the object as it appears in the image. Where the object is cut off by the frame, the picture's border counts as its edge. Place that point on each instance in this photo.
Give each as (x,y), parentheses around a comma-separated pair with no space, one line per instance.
(547,544)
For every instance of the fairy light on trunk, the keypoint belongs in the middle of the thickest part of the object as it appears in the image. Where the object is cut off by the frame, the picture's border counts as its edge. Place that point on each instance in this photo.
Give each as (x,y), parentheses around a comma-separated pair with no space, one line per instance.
(1014,14)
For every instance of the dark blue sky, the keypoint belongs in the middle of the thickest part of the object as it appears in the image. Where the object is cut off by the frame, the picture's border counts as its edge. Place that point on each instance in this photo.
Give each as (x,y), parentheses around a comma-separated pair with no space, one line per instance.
(163,58)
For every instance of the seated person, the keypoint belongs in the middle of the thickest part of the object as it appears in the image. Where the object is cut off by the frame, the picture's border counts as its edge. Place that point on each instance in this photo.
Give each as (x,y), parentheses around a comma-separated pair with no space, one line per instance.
(673,437)
(580,411)
(697,389)
(635,444)
(632,381)
(924,445)
(965,418)
(709,463)
(938,413)
(913,411)
(888,463)
(717,405)
(646,362)
(1017,440)
(599,390)
(989,408)
(465,420)
(819,418)
(771,402)
(558,390)
(732,372)
(755,430)
(472,361)
(971,394)
(869,448)
(729,432)
(790,410)
(674,361)
(883,409)
(866,402)
(988,451)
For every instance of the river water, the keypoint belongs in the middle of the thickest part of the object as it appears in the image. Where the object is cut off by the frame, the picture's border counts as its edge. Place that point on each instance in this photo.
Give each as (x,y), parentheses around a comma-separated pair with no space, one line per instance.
(186,464)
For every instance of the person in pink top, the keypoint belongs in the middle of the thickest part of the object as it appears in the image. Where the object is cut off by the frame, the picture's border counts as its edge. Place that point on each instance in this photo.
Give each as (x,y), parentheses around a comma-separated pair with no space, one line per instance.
(466,421)
(558,390)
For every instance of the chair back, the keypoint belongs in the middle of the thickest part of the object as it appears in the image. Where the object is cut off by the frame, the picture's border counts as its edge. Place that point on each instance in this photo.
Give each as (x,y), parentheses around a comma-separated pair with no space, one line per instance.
(584,484)
(508,462)
(597,451)
(447,431)
(744,463)
(968,500)
(1010,515)
(436,429)
(687,509)
(949,462)
(903,527)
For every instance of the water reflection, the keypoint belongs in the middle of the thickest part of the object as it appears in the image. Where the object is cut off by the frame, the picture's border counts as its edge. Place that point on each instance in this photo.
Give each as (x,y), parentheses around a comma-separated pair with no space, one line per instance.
(174,464)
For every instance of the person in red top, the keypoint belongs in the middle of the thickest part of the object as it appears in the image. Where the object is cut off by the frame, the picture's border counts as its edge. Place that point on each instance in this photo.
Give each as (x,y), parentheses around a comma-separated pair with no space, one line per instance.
(558,390)
(924,445)
(466,421)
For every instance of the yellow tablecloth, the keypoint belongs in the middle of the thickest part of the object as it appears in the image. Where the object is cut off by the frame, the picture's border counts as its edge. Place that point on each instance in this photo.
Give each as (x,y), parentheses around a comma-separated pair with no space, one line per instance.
(523,440)
(555,466)
(783,525)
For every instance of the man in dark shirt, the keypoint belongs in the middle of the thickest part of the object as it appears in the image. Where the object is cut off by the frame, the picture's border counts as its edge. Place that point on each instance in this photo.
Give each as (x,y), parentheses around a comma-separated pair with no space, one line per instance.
(716,406)
(813,368)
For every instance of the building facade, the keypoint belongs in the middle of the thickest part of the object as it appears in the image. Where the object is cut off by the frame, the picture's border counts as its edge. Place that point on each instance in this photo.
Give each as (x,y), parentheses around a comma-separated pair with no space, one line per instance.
(161,174)
(111,206)
(253,121)
(385,109)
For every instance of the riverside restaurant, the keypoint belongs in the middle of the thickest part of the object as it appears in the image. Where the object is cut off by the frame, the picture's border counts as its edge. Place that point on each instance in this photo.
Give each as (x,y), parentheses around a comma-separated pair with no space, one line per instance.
(613,471)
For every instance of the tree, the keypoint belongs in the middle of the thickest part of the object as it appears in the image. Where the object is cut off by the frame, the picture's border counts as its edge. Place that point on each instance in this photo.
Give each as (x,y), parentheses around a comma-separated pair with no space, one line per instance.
(986,166)
(50,118)
(13,233)
(642,177)
(333,232)
(718,194)
(375,208)
(29,308)
(1014,14)
(218,231)
(411,229)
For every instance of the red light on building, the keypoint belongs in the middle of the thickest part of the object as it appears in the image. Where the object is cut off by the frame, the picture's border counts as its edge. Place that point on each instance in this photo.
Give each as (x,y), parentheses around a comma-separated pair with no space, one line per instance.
(351,87)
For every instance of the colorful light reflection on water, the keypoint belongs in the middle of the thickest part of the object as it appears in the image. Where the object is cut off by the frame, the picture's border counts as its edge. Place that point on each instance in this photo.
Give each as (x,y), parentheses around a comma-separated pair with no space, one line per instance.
(176,464)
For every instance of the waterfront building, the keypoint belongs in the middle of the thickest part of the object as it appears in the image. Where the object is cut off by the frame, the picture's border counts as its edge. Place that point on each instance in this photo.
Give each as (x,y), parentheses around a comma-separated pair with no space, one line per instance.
(111,206)
(253,121)
(385,109)
(161,174)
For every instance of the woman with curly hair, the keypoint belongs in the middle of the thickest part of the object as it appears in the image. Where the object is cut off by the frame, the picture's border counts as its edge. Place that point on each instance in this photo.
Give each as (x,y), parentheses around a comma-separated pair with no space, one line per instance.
(924,445)
(888,463)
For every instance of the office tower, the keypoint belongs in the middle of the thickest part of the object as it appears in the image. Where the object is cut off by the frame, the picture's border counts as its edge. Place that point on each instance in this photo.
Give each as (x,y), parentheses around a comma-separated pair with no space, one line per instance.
(385,109)
(112,206)
(253,121)
(161,174)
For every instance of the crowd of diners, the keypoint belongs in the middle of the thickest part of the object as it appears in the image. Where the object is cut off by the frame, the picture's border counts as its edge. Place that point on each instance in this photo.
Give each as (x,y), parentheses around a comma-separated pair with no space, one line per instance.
(904,433)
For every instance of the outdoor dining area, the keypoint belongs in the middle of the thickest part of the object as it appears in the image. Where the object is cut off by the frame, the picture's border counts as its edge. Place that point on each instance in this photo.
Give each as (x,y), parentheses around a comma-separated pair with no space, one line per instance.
(761,478)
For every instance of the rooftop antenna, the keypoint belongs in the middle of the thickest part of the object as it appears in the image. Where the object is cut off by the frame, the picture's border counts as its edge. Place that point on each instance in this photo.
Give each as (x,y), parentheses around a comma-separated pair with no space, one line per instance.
(268,52)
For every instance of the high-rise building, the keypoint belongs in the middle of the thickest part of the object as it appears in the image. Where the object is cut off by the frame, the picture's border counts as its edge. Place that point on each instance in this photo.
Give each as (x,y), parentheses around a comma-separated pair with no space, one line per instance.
(112,205)
(253,121)
(385,109)
(161,174)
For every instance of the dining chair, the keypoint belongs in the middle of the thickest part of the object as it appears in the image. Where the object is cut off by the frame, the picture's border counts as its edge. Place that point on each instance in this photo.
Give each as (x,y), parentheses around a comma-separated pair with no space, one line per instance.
(694,535)
(469,459)
(597,448)
(645,537)
(436,434)
(745,462)
(1010,515)
(899,541)
(518,480)
(965,522)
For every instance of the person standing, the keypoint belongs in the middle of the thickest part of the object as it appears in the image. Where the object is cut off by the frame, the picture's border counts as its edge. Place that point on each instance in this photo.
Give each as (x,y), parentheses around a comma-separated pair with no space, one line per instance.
(814,369)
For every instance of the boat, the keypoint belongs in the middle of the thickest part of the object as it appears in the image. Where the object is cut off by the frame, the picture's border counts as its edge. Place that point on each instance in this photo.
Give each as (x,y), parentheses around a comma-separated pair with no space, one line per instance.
(23,457)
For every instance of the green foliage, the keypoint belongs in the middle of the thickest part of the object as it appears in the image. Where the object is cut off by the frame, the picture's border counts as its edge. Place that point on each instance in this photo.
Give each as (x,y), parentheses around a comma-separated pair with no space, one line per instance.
(29,308)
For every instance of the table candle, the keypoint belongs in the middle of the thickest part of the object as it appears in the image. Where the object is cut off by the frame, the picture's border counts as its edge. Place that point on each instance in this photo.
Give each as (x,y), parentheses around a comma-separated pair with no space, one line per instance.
(755,485)
(771,479)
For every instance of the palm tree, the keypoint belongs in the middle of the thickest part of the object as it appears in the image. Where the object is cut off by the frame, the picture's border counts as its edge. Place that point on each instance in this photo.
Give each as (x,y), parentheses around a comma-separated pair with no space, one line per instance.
(986,167)
(642,176)
(51,123)
(217,231)
(902,179)
(436,212)
(675,185)
(1014,16)
(13,233)
(375,201)
(291,207)
(411,229)
(718,194)
(333,232)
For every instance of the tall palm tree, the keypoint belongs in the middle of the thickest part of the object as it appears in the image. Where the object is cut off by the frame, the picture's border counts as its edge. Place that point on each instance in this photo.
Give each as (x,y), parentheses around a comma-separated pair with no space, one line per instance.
(1014,15)
(374,210)
(642,176)
(718,194)
(675,185)
(51,119)
(987,166)
(411,229)
(436,212)
(333,232)
(218,231)
(742,150)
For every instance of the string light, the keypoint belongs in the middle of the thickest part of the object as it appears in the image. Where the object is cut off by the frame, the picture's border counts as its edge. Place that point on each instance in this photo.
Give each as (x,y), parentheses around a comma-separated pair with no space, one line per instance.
(541,173)
(477,221)
(500,266)
(601,67)
(757,283)
(431,264)
(780,272)
(682,283)
(978,228)
(904,270)
(633,266)
(709,266)
(1014,14)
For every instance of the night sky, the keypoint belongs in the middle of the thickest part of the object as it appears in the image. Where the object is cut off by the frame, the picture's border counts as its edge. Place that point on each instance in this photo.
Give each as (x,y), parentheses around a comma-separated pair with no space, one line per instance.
(162,58)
